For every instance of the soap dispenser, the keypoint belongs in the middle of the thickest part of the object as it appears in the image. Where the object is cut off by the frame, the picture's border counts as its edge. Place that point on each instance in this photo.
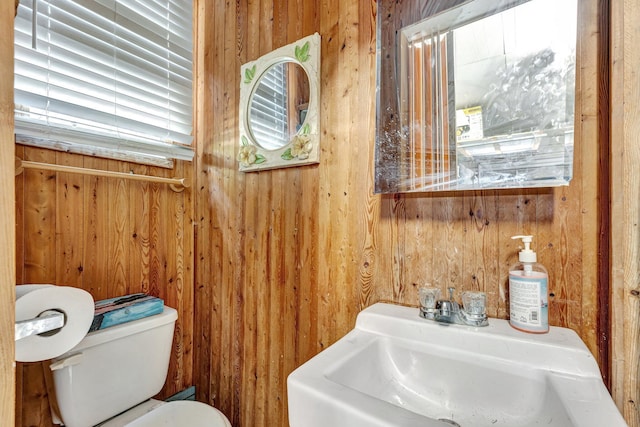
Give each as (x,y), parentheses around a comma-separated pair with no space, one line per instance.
(528,284)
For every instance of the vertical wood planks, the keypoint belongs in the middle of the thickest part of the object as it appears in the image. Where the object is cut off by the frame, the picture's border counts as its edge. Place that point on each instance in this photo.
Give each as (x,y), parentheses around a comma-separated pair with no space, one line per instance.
(204,246)
(118,224)
(39,220)
(40,267)
(593,167)
(95,231)
(369,205)
(300,251)
(139,236)
(280,262)
(229,288)
(19,216)
(110,238)
(69,242)
(8,223)
(625,209)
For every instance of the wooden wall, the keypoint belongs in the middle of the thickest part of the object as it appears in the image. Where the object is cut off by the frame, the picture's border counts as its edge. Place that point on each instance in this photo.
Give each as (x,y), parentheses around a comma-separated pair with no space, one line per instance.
(268,268)
(625,124)
(110,237)
(7,219)
(285,259)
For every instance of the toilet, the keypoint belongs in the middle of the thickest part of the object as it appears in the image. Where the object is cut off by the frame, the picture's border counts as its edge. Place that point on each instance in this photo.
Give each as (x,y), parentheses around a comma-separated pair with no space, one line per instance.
(108,379)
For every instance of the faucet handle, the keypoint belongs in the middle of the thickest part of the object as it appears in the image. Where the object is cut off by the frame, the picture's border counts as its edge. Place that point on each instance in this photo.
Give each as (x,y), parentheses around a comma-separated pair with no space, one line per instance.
(451,289)
(474,303)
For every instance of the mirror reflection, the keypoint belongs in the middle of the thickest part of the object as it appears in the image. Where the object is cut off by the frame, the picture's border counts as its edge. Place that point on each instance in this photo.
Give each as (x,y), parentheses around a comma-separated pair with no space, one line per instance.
(278,105)
(479,96)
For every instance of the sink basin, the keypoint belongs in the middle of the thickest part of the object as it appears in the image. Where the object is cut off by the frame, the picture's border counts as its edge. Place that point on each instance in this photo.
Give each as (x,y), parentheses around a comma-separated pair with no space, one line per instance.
(397,369)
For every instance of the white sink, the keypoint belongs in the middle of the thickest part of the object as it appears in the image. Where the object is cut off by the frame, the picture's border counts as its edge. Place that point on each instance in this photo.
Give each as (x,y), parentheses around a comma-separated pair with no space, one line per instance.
(397,369)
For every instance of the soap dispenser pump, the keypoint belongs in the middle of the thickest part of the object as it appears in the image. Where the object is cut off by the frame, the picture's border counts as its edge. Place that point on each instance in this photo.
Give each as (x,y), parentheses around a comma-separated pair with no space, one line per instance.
(528,284)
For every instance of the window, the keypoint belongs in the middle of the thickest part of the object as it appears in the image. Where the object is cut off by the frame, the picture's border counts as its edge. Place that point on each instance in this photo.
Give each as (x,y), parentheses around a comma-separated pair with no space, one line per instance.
(269,112)
(111,78)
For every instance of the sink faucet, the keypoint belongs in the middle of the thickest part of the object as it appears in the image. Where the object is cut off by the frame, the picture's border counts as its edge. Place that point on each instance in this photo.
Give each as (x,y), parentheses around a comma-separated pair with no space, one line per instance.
(447,310)
(472,312)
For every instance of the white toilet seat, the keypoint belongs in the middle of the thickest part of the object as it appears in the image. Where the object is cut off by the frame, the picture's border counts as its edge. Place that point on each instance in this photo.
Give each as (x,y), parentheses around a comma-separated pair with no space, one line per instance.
(179,413)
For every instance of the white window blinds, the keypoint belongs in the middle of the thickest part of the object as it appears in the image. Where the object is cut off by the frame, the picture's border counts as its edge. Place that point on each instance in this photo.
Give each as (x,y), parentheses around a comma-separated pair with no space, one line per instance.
(112,78)
(269,112)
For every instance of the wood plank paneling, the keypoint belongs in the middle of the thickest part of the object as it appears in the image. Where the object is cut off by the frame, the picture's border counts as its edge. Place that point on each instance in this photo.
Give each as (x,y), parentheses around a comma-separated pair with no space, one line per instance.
(110,237)
(287,258)
(139,217)
(8,224)
(69,242)
(625,209)
(275,265)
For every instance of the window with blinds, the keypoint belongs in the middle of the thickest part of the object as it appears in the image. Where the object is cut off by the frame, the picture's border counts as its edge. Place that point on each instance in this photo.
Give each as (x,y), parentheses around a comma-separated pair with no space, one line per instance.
(269,108)
(111,78)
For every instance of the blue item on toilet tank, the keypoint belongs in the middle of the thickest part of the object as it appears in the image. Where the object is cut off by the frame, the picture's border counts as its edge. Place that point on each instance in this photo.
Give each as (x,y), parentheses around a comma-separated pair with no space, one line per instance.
(115,311)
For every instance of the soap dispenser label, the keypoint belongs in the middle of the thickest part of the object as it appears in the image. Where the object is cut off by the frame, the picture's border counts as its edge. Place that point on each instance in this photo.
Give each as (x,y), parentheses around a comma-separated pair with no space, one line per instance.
(528,304)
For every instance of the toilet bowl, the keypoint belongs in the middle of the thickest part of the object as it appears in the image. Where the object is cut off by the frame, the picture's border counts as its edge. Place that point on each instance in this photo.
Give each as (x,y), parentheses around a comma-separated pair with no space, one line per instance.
(108,379)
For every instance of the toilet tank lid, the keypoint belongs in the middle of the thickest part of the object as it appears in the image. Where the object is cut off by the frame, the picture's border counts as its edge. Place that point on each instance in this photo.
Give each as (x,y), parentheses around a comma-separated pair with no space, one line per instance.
(101,336)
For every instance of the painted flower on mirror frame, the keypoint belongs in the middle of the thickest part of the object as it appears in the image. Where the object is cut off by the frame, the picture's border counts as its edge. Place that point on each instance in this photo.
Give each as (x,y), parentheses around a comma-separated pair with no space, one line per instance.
(248,155)
(301,146)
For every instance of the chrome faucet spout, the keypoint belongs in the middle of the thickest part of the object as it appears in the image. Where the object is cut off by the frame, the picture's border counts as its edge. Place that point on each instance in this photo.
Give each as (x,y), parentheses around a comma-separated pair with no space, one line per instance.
(449,311)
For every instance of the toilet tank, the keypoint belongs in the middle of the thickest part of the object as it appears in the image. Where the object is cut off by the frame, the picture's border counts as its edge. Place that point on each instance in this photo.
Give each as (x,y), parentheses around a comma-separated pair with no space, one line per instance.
(113,369)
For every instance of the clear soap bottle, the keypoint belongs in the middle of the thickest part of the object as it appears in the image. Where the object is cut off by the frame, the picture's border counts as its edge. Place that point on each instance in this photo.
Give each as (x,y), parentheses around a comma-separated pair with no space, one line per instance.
(528,292)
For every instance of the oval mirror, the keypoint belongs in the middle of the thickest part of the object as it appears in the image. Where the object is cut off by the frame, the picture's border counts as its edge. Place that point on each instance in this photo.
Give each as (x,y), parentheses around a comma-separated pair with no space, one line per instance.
(278,105)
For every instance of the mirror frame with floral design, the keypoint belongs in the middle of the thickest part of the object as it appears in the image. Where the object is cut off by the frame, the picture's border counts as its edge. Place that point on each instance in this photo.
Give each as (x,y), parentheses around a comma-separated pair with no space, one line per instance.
(303,148)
